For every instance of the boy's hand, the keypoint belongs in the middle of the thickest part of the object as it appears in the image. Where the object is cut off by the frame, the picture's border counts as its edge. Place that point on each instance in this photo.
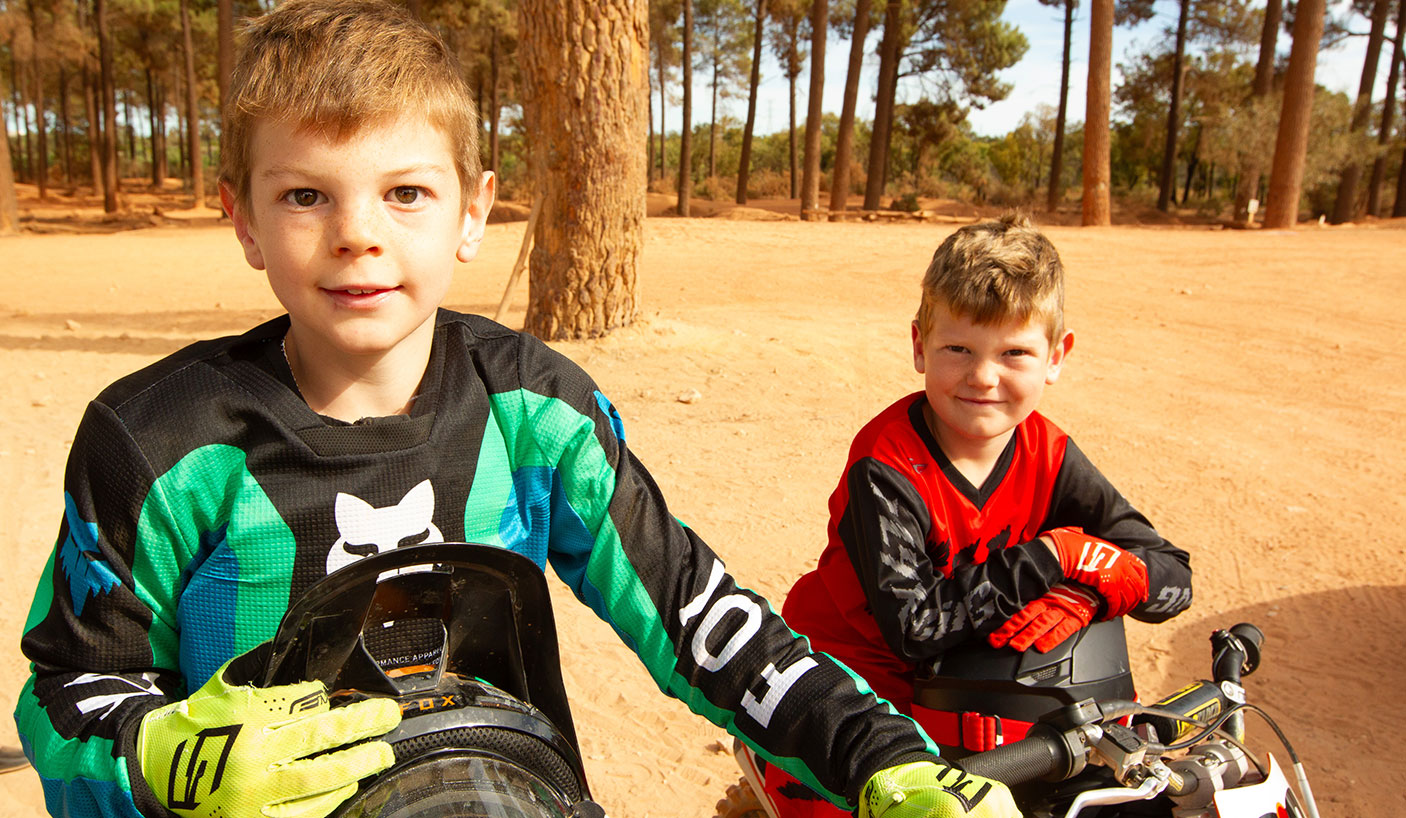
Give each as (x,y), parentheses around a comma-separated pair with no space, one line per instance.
(1049,620)
(934,789)
(1116,575)
(235,750)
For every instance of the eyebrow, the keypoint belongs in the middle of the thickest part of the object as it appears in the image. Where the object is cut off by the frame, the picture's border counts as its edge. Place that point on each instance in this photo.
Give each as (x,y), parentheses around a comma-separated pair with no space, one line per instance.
(420,167)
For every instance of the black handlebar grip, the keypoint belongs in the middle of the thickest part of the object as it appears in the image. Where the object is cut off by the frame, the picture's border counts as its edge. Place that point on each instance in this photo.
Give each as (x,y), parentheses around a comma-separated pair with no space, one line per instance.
(1235,652)
(1041,754)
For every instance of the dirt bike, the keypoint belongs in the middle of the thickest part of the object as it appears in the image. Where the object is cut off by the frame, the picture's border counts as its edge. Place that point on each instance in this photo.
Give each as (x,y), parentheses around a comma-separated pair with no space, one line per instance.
(463,637)
(1183,756)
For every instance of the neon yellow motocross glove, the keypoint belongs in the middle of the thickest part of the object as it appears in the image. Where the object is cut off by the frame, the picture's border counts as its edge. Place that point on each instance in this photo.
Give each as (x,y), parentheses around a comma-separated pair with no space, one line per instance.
(238,751)
(926,789)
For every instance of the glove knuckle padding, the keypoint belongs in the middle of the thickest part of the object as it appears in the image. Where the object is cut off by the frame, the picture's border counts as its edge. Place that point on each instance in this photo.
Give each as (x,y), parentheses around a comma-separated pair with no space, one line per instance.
(925,789)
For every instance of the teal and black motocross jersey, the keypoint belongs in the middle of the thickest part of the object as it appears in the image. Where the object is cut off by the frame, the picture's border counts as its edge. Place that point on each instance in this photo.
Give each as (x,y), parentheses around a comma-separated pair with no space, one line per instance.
(202,495)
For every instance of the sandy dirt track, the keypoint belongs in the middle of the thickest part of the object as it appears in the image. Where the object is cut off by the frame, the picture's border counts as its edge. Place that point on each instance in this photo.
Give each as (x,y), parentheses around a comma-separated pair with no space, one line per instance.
(1244,389)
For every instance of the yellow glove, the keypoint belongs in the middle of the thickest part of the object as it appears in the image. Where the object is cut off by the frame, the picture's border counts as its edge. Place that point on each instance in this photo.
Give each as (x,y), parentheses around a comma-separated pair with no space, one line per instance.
(236,750)
(926,789)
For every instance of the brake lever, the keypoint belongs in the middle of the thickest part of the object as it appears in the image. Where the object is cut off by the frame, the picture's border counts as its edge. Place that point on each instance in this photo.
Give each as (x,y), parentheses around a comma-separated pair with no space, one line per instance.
(1152,786)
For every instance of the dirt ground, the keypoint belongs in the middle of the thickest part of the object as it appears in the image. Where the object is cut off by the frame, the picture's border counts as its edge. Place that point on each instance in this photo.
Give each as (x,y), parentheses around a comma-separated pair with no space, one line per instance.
(1241,387)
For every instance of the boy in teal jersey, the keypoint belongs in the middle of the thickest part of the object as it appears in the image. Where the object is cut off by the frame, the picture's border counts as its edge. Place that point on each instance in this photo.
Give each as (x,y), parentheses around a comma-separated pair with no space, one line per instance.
(207,491)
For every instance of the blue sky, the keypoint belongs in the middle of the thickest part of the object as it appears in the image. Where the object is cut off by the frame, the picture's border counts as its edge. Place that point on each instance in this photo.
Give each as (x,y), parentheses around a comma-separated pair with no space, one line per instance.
(1034,80)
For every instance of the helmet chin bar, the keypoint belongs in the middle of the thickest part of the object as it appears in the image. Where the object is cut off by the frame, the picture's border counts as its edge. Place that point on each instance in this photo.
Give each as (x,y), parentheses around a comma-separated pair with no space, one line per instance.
(463,637)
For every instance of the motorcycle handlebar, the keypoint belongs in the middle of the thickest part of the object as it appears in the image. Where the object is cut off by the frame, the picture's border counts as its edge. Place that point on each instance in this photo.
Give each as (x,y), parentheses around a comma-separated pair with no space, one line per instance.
(1044,753)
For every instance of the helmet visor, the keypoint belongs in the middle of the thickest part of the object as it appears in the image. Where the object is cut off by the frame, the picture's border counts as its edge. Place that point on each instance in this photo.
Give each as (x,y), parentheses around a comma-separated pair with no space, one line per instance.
(458,785)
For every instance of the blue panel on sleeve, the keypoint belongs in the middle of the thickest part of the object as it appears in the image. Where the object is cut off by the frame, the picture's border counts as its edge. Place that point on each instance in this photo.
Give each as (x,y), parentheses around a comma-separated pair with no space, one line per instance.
(609,409)
(88,573)
(208,608)
(87,798)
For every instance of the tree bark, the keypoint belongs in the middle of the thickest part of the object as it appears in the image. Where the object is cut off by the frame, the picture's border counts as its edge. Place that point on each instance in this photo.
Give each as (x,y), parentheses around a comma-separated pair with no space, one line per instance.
(41,132)
(1056,192)
(1167,181)
(1291,143)
(65,127)
(1345,208)
(585,66)
(108,95)
(890,48)
(197,163)
(1399,207)
(493,108)
(90,102)
(224,35)
(1191,165)
(810,180)
(1097,206)
(1374,186)
(844,144)
(663,131)
(686,131)
(9,203)
(744,165)
(1248,185)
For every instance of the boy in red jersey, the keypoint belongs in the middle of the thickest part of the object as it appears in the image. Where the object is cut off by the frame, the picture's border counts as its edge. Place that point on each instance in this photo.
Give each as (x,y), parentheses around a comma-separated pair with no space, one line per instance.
(962,512)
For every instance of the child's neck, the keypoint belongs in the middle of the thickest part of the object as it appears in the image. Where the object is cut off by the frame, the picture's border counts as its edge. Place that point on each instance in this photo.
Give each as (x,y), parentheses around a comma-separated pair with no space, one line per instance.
(974,458)
(352,387)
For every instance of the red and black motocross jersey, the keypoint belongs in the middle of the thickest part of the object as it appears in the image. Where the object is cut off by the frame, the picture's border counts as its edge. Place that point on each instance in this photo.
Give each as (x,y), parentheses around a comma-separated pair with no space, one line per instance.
(919,559)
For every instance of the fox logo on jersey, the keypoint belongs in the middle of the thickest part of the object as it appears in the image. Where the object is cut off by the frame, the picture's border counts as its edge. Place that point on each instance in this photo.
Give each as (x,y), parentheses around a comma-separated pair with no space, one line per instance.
(365,530)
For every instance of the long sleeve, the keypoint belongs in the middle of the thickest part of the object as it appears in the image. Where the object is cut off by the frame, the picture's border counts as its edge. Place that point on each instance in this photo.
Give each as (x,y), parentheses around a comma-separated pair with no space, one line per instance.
(719,648)
(1085,499)
(94,634)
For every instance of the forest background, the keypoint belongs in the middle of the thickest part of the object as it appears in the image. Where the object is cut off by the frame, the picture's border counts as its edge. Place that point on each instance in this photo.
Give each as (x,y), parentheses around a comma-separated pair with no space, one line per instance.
(1195,103)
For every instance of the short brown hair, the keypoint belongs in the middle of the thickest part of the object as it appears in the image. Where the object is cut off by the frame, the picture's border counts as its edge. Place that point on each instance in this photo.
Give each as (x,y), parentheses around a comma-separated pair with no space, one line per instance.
(992,272)
(332,66)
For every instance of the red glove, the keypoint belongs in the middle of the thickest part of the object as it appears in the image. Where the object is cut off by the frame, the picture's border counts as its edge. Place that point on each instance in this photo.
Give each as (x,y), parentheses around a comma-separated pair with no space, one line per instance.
(1049,620)
(1114,574)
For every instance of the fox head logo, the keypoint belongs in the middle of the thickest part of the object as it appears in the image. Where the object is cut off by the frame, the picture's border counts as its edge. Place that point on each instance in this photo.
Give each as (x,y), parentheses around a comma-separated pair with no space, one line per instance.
(365,530)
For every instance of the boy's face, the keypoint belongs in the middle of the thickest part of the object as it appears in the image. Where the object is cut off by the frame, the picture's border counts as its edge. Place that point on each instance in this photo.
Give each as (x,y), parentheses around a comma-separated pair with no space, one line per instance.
(983,380)
(359,236)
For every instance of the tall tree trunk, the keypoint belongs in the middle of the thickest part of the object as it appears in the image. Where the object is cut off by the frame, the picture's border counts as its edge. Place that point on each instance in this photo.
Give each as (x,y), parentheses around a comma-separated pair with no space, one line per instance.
(890,50)
(810,180)
(1248,185)
(162,146)
(1345,208)
(197,163)
(9,203)
(151,126)
(493,107)
(131,129)
(65,127)
(1291,144)
(649,166)
(713,116)
(1056,192)
(1399,207)
(1097,209)
(224,48)
(791,59)
(844,142)
(585,69)
(744,164)
(1167,182)
(41,132)
(1374,186)
(95,139)
(107,83)
(1191,165)
(686,132)
(663,130)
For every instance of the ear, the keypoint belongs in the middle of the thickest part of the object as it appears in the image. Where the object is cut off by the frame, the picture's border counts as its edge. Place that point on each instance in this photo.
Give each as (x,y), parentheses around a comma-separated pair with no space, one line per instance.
(476,217)
(1058,350)
(918,362)
(252,253)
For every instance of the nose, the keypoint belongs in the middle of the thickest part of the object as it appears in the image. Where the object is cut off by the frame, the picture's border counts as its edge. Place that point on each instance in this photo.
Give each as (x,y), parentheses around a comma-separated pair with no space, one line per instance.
(356,231)
(983,373)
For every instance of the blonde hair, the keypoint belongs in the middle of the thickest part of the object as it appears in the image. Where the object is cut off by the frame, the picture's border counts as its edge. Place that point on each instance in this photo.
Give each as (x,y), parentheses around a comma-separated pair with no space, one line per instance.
(993,272)
(332,67)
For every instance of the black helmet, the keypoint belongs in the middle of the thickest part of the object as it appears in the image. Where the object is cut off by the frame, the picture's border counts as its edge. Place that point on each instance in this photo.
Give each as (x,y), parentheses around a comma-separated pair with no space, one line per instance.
(463,637)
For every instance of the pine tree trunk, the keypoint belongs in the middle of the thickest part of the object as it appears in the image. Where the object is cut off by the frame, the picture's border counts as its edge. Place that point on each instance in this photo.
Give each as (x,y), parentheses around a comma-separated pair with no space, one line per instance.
(9,203)
(493,107)
(197,162)
(1374,186)
(713,118)
(1097,209)
(585,75)
(686,131)
(744,165)
(1399,207)
(90,102)
(810,179)
(844,143)
(663,130)
(224,57)
(1345,208)
(1056,192)
(1167,181)
(1248,185)
(890,49)
(41,133)
(65,127)
(107,84)
(1191,165)
(1291,144)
